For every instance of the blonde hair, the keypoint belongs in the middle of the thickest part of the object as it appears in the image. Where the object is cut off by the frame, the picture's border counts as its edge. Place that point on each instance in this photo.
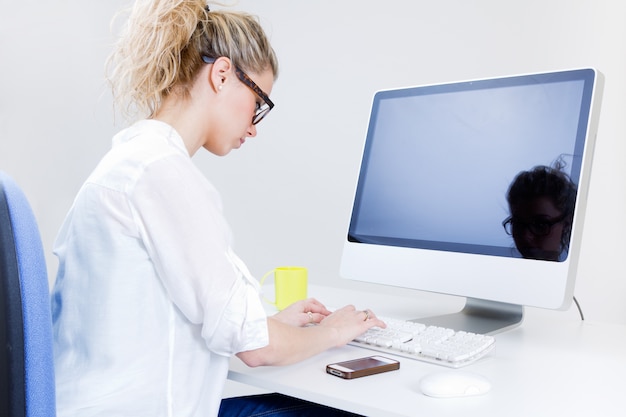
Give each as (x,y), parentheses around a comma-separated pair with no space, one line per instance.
(162,44)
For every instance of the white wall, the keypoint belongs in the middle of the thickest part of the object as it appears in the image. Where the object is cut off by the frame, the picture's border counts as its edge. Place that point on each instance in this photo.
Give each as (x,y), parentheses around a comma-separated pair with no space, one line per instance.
(288,192)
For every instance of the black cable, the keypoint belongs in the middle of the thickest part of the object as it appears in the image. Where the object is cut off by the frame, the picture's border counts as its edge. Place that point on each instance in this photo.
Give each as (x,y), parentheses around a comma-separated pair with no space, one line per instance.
(582,316)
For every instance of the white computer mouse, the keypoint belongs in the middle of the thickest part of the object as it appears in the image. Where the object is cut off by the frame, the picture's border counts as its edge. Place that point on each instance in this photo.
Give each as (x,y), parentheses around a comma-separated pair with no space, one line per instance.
(454,383)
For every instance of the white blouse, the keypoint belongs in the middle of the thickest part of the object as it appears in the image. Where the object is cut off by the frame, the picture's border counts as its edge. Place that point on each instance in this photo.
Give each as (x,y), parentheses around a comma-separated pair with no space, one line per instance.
(150,301)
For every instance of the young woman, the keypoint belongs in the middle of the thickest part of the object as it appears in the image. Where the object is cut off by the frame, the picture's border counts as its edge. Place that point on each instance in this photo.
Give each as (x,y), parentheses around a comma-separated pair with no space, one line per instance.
(150,300)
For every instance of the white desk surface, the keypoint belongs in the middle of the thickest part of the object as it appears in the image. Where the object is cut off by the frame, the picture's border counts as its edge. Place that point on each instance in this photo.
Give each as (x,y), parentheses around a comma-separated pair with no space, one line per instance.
(552,365)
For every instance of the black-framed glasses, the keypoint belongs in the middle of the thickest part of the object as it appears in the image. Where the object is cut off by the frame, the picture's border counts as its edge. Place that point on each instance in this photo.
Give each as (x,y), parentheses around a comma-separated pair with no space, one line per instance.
(538,227)
(261,109)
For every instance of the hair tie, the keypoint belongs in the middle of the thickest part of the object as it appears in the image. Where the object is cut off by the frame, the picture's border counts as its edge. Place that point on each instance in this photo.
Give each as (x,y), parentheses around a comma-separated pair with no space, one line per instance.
(207,8)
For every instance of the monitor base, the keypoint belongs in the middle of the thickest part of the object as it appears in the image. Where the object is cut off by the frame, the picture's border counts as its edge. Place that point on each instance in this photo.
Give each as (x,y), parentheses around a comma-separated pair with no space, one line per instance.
(480,316)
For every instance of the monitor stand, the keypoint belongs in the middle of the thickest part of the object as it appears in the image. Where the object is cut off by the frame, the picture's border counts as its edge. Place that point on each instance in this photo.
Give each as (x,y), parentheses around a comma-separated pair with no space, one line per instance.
(480,316)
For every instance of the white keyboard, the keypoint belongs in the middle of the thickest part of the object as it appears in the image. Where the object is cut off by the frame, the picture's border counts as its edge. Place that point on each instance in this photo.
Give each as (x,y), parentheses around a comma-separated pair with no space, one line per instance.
(426,343)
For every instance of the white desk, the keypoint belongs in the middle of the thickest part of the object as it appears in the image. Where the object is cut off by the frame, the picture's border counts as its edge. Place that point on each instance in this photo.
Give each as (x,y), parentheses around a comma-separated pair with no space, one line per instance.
(552,365)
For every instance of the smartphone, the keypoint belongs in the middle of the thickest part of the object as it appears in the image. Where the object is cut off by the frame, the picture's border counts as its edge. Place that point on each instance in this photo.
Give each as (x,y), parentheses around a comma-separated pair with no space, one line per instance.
(357,368)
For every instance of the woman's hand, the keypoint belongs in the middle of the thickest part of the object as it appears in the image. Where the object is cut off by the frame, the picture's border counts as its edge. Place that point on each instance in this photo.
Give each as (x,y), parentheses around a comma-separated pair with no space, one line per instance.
(350,323)
(292,340)
(302,313)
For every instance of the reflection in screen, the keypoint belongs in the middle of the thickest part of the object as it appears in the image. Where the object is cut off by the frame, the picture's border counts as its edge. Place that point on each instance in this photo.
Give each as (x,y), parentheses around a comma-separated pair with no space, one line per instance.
(541,205)
(437,165)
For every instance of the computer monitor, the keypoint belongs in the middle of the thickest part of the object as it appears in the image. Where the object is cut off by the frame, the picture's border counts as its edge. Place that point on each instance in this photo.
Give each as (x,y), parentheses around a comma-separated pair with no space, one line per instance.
(465,188)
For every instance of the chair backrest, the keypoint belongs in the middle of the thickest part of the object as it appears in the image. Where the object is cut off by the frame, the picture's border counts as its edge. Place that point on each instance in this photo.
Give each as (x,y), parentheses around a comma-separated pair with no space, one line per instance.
(26,360)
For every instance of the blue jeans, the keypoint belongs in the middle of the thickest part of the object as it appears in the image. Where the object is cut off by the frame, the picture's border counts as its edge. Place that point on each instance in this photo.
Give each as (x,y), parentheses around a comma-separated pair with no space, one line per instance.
(276,405)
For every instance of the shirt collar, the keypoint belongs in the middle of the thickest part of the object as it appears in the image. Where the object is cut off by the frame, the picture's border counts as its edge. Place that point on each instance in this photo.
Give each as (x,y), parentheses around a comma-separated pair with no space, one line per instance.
(154,128)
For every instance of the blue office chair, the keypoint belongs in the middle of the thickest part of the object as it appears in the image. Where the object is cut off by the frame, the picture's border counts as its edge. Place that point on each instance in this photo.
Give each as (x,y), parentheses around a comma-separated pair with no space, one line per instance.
(26,360)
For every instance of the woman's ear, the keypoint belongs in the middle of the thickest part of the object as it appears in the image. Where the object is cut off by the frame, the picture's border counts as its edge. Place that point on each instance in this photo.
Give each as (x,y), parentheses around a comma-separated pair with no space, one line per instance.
(220,72)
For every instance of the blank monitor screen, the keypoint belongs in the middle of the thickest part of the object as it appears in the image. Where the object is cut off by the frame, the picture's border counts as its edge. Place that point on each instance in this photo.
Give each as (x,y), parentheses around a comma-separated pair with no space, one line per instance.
(440,160)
